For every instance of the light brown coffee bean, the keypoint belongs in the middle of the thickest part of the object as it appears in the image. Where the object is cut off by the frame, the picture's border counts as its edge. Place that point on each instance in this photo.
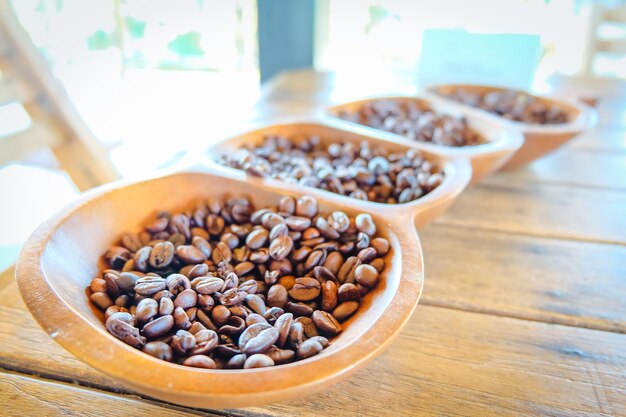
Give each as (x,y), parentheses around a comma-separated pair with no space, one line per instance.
(161,255)
(296,335)
(258,361)
(190,254)
(220,315)
(366,275)
(309,348)
(348,292)
(367,255)
(329,296)
(146,309)
(149,285)
(381,245)
(255,318)
(98,285)
(308,326)
(206,341)
(207,285)
(158,327)
(256,303)
(333,262)
(166,306)
(176,283)
(101,300)
(181,319)
(257,338)
(283,325)
(339,221)
(257,238)
(114,309)
(278,230)
(186,299)
(183,341)
(299,309)
(159,350)
(244,268)
(142,257)
(345,310)
(221,253)
(121,325)
(277,296)
(280,356)
(306,206)
(200,361)
(346,272)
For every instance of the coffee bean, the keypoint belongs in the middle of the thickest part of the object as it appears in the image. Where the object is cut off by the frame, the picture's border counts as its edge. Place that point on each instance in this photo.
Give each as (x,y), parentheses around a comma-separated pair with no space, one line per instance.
(221,253)
(114,309)
(186,299)
(176,283)
(345,310)
(306,207)
(161,255)
(365,224)
(131,242)
(381,245)
(281,247)
(121,325)
(309,348)
(126,281)
(200,361)
(166,306)
(255,318)
(255,303)
(277,296)
(98,285)
(117,256)
(329,296)
(283,325)
(146,309)
(367,255)
(207,285)
(142,257)
(305,289)
(220,315)
(257,238)
(333,262)
(149,285)
(257,338)
(182,342)
(346,272)
(326,323)
(234,326)
(158,327)
(366,275)
(280,356)
(189,254)
(181,319)
(378,264)
(159,350)
(258,361)
(206,341)
(101,300)
(287,205)
(308,326)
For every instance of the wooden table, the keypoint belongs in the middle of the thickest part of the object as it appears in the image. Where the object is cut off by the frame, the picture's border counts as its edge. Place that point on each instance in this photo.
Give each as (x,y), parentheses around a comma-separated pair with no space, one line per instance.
(523,312)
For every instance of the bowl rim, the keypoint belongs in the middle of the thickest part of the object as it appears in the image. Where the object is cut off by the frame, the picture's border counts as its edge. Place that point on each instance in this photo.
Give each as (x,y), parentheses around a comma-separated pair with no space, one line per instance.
(186,382)
(506,140)
(587,116)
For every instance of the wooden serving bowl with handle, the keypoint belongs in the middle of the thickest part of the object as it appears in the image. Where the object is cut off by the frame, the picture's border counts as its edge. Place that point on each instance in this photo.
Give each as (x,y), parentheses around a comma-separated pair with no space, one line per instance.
(61,257)
(500,143)
(539,139)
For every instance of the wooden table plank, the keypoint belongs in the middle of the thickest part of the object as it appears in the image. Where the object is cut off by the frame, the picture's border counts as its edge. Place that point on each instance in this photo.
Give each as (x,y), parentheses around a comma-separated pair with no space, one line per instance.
(22,395)
(446,362)
(542,210)
(557,281)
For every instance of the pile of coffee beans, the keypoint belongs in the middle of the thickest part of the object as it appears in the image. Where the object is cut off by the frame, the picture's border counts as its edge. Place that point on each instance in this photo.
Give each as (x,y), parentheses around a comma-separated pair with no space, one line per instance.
(355,170)
(512,105)
(408,119)
(228,286)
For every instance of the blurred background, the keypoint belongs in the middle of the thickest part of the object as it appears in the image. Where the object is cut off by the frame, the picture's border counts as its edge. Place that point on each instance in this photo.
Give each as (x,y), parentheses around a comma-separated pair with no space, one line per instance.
(134,84)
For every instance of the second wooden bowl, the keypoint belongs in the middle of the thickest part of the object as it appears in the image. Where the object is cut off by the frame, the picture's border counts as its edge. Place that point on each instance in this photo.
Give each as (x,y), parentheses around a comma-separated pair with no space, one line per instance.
(61,257)
(539,140)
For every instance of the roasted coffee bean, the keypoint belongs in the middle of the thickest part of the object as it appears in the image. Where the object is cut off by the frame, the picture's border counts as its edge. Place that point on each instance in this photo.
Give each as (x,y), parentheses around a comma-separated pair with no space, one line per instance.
(381,245)
(299,309)
(232,297)
(378,264)
(325,229)
(101,300)
(220,315)
(121,325)
(255,318)
(296,335)
(123,300)
(98,285)
(326,323)
(206,341)
(237,361)
(186,299)
(206,321)
(346,272)
(114,309)
(166,306)
(159,350)
(182,342)
(131,242)
(181,319)
(280,355)
(301,254)
(177,239)
(305,289)
(214,224)
(333,262)
(250,286)
(283,325)
(317,257)
(329,296)
(117,256)
(189,254)
(161,255)
(149,285)
(257,238)
(345,310)
(281,247)
(258,361)
(348,292)
(306,207)
(158,327)
(271,220)
(244,268)
(287,281)
(260,256)
(255,303)
(207,285)
(273,313)
(365,224)
(308,326)
(277,296)
(221,253)
(126,281)
(366,275)
(176,283)
(200,361)
(142,258)
(287,205)
(234,326)
(367,255)
(146,309)
(257,338)
(309,348)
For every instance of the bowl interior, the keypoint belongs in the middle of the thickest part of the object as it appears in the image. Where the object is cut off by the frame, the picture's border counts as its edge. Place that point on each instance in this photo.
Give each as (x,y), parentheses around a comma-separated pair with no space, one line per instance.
(491,132)
(72,244)
(572,111)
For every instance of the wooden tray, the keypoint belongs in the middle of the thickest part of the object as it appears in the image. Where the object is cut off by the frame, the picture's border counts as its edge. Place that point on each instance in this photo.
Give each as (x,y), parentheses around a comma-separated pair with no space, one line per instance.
(539,140)
(486,158)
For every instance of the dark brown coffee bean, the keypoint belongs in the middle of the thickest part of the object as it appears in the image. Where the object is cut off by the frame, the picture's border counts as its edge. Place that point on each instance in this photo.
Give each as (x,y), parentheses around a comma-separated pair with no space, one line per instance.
(308,326)
(158,327)
(257,238)
(381,245)
(126,281)
(348,292)
(283,325)
(166,306)
(277,296)
(333,262)
(161,255)
(205,301)
(366,275)
(305,289)
(221,253)
(316,258)
(200,361)
(176,283)
(301,254)
(367,255)
(142,257)
(258,361)
(299,309)
(234,326)
(296,335)
(177,239)
(159,350)
(257,338)
(326,323)
(220,315)
(346,272)
(329,296)
(280,247)
(255,318)
(182,342)
(214,224)
(205,319)
(189,254)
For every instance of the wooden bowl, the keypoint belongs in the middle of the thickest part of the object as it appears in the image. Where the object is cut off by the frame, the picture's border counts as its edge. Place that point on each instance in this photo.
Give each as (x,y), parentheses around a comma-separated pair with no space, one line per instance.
(538,139)
(485,158)
(61,257)
(457,171)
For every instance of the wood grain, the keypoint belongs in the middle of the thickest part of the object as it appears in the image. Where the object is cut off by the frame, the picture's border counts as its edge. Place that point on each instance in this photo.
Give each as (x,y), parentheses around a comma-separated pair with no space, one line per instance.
(542,210)
(550,280)
(26,395)
(570,167)
(446,362)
